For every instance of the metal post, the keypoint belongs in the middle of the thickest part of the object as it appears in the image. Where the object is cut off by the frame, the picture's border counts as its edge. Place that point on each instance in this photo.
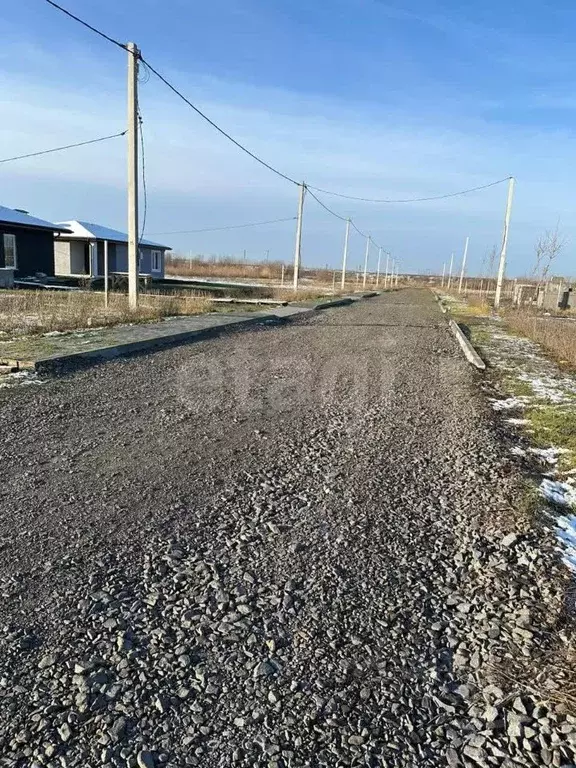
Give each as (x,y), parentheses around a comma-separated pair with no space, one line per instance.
(378,268)
(463,265)
(502,265)
(132,135)
(443,273)
(345,255)
(106,273)
(450,271)
(298,249)
(368,241)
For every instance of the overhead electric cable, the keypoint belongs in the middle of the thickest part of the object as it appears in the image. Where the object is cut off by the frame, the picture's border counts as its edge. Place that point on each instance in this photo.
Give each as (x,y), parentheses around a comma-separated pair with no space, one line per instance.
(221,229)
(59,149)
(89,26)
(412,199)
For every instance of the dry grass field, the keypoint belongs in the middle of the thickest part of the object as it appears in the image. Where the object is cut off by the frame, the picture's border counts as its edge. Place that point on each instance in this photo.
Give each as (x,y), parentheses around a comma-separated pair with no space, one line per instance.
(27,312)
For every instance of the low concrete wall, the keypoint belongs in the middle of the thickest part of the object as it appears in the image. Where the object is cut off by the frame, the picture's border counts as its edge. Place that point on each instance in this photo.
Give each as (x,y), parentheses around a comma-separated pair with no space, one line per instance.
(6,277)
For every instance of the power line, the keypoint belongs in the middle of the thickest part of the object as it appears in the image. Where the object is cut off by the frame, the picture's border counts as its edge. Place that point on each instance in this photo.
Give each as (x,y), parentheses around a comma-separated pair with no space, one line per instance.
(59,149)
(214,125)
(342,218)
(89,26)
(144,186)
(251,154)
(338,216)
(413,199)
(220,229)
(357,230)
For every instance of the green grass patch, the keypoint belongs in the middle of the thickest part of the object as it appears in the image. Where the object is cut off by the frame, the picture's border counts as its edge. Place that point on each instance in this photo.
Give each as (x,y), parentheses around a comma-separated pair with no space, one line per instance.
(554,425)
(517,387)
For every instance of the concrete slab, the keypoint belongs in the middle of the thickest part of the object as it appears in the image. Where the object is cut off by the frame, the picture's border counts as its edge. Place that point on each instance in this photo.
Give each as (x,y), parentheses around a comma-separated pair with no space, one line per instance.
(52,351)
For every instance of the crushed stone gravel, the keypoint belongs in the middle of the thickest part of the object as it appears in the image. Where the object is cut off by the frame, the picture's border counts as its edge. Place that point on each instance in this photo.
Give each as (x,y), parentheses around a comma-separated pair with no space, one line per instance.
(271,549)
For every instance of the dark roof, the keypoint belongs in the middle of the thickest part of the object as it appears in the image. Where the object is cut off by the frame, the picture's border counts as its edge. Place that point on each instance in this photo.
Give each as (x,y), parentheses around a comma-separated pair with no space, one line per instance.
(20,219)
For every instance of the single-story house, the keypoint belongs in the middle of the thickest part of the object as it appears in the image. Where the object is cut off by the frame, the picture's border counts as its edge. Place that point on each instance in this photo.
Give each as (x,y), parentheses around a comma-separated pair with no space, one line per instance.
(26,244)
(80,252)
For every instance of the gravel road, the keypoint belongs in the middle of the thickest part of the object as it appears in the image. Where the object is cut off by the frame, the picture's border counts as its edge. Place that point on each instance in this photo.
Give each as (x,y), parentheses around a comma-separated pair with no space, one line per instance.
(285,547)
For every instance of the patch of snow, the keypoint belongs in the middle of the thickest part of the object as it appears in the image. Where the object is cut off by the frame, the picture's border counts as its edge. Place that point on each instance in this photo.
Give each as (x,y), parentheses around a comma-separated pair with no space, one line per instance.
(517,451)
(561,494)
(549,455)
(518,421)
(566,533)
(509,403)
(19,378)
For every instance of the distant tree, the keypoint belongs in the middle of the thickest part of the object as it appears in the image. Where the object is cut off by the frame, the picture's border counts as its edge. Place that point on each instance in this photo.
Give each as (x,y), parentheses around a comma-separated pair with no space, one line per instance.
(547,248)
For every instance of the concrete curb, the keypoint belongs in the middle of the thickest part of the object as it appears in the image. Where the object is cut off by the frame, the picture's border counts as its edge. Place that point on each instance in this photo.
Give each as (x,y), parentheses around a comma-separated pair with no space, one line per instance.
(276,316)
(144,345)
(345,301)
(471,355)
(439,300)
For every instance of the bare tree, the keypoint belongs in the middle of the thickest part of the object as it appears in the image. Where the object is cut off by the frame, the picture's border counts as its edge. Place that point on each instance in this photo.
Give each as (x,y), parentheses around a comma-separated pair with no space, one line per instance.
(547,248)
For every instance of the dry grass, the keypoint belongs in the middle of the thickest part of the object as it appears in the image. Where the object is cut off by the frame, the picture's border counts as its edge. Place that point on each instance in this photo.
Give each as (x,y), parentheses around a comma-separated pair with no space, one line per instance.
(184,267)
(557,337)
(28,312)
(223,267)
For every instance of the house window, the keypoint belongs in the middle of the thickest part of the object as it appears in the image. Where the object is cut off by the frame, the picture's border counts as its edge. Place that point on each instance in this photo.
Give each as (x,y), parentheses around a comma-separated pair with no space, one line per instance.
(156,261)
(10,251)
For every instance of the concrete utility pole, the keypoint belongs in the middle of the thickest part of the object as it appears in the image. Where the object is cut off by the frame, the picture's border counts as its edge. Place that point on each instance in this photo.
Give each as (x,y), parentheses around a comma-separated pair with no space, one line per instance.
(378,268)
(502,265)
(368,241)
(387,266)
(463,265)
(132,135)
(443,273)
(397,269)
(282,277)
(345,255)
(450,271)
(106,273)
(298,249)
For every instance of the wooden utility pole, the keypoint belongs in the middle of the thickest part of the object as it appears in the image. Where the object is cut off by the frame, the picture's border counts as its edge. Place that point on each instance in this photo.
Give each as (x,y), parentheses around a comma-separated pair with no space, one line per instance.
(133,56)
(463,265)
(345,254)
(378,267)
(367,254)
(502,265)
(298,249)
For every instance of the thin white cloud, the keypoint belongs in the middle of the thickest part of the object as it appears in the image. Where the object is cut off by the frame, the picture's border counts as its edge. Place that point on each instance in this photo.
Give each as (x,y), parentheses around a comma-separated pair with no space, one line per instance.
(358,148)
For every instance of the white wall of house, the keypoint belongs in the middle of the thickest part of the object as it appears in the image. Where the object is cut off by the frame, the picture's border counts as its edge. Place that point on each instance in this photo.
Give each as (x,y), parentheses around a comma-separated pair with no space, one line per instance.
(61,258)
(69,258)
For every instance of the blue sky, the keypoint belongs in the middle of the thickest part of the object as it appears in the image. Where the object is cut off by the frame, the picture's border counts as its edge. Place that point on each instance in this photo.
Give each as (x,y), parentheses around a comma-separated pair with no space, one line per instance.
(367,97)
